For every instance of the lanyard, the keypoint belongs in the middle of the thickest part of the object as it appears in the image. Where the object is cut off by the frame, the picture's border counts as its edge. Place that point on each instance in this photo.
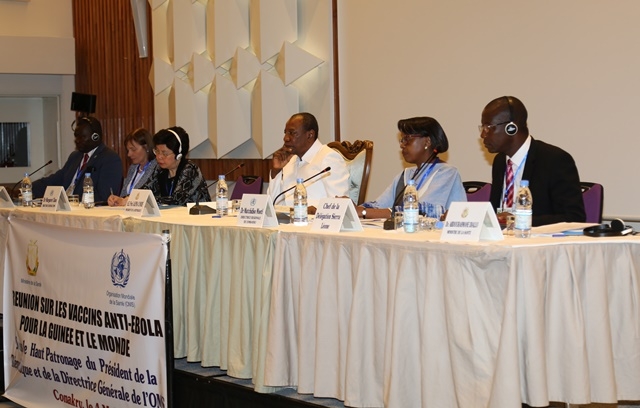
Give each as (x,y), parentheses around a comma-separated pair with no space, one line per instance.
(515,176)
(135,176)
(425,175)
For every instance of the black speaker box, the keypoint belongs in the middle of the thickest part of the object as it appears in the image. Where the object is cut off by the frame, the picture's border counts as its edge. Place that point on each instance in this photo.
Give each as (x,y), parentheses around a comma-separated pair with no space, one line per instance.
(85,103)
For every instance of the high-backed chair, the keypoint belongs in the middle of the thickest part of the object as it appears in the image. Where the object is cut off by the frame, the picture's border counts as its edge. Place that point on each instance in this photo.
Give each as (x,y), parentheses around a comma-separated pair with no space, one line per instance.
(477,190)
(246,185)
(593,196)
(358,157)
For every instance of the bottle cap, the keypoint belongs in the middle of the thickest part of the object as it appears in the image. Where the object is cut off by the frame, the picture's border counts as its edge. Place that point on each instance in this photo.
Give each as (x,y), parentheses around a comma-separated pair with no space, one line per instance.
(87,174)
(524,183)
(299,180)
(411,182)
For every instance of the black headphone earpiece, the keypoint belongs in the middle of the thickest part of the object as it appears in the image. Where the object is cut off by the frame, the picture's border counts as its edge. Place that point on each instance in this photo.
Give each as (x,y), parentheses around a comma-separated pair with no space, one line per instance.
(179,155)
(94,135)
(616,229)
(510,128)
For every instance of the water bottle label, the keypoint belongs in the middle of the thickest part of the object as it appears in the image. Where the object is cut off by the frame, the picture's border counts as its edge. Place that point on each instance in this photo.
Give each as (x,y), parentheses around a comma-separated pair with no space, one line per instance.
(410,219)
(222,203)
(523,220)
(300,213)
(27,196)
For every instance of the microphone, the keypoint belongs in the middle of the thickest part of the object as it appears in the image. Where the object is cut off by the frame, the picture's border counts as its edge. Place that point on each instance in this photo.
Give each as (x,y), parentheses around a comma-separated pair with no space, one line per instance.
(32,173)
(205,209)
(304,181)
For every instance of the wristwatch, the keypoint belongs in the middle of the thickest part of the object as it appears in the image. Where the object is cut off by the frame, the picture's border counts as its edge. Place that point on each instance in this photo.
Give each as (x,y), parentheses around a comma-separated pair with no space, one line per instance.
(364,213)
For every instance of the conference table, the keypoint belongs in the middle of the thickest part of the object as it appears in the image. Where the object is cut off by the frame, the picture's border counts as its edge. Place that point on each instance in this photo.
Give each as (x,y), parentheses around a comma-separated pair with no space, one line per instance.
(383,318)
(221,280)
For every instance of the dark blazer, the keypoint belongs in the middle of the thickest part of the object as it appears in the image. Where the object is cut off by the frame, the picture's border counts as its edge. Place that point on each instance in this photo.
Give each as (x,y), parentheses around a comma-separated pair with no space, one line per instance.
(106,172)
(553,180)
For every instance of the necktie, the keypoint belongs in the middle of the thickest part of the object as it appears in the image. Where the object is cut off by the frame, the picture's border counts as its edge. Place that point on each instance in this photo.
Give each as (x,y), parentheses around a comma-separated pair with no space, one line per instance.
(85,159)
(509,192)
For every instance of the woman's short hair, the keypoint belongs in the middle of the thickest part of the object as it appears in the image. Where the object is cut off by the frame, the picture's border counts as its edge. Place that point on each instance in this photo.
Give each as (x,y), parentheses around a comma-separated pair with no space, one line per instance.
(169,139)
(426,126)
(142,137)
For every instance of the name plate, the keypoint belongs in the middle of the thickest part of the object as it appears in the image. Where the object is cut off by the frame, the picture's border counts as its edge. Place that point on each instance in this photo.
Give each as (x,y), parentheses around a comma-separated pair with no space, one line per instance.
(5,199)
(335,215)
(471,221)
(256,210)
(55,199)
(141,203)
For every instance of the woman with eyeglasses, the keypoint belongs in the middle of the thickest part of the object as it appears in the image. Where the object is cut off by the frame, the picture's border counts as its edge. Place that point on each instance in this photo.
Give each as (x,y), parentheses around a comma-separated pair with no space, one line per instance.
(176,180)
(438,183)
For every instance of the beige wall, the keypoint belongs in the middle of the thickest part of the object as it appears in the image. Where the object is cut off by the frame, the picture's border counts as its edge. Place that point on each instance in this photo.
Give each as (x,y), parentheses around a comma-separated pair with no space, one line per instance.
(38,63)
(574,64)
(36,18)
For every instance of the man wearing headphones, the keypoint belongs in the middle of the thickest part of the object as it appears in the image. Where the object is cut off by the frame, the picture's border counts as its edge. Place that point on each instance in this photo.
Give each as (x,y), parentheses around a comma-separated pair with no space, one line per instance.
(552,173)
(91,156)
(303,156)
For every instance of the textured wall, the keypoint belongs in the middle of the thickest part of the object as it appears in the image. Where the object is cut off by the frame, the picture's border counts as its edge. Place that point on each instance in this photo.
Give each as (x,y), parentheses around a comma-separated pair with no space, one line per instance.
(231,72)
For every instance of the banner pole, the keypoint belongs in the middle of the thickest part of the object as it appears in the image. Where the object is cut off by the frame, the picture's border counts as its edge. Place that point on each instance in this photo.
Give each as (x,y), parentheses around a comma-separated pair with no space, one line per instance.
(168,320)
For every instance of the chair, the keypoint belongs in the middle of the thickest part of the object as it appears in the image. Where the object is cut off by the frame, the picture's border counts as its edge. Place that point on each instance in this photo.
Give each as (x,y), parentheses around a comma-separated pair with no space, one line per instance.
(246,185)
(477,190)
(358,157)
(593,197)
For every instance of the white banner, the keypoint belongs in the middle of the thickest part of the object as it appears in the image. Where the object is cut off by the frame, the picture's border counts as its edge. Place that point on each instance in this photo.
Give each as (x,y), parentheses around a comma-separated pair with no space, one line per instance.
(84,317)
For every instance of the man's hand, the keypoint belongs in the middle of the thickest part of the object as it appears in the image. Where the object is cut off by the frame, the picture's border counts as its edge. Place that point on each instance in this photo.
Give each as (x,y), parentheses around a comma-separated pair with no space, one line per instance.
(280,159)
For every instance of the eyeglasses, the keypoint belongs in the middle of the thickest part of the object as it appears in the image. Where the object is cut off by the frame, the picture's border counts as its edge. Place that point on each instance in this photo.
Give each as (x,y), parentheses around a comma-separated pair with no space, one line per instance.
(486,128)
(292,133)
(406,138)
(163,154)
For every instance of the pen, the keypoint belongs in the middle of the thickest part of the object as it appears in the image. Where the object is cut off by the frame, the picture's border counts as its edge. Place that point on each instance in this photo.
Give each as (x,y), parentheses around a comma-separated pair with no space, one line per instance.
(559,235)
(111,189)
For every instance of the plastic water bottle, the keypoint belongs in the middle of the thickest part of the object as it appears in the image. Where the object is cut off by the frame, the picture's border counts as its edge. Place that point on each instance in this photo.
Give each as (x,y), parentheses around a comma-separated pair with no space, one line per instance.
(27,192)
(300,216)
(87,191)
(410,207)
(222,198)
(524,203)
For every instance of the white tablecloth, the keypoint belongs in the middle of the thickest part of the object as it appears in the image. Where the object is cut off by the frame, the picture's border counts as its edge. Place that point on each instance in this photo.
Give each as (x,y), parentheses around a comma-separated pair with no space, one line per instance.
(221,289)
(390,319)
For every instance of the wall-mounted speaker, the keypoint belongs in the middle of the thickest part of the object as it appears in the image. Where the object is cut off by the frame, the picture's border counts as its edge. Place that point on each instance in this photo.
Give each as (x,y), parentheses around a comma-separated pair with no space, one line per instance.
(85,103)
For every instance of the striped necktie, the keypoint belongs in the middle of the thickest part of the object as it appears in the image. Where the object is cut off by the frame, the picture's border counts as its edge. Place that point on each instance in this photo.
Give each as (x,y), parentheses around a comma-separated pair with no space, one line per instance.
(509,193)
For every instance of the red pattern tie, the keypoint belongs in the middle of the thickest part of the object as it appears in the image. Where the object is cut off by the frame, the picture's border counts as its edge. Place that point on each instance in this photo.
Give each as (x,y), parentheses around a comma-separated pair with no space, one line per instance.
(85,159)
(509,192)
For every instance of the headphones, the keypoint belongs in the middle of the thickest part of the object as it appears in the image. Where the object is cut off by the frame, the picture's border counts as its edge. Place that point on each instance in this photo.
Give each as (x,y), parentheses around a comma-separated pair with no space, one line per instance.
(616,229)
(510,128)
(94,135)
(179,155)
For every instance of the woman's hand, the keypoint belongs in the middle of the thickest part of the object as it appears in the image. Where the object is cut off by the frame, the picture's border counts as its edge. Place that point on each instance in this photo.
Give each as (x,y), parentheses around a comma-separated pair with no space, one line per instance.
(116,201)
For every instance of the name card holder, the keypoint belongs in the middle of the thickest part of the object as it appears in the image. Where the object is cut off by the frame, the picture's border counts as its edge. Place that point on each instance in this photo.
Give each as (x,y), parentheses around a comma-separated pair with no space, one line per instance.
(55,199)
(471,221)
(5,199)
(256,210)
(336,215)
(141,203)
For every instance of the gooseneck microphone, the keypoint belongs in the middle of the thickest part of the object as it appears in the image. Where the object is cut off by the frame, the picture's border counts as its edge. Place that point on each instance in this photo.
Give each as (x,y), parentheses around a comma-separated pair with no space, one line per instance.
(198,209)
(304,181)
(31,174)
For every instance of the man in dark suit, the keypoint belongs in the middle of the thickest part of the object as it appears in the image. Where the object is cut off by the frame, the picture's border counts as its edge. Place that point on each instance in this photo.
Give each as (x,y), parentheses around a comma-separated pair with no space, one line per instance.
(103,163)
(553,177)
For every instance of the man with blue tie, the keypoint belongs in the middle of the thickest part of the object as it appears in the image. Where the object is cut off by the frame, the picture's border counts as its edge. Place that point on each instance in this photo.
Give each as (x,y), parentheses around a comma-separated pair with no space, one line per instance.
(91,156)
(552,173)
